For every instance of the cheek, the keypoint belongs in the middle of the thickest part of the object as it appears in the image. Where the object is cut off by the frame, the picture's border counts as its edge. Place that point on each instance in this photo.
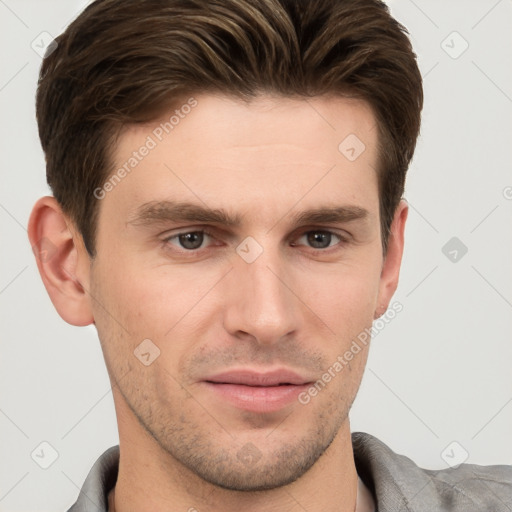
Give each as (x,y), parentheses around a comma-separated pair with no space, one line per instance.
(128,312)
(343,297)
(152,301)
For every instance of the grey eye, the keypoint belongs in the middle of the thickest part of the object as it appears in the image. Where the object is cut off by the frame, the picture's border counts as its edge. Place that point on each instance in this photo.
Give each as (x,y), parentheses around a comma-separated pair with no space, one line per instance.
(192,240)
(319,239)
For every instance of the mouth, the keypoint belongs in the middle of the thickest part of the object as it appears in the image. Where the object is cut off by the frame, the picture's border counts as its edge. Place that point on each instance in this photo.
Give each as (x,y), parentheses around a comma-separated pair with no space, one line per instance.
(260,392)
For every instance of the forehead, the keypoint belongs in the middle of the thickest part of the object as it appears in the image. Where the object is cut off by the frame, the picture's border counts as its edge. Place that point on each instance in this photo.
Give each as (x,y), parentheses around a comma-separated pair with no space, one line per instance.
(271,151)
(260,121)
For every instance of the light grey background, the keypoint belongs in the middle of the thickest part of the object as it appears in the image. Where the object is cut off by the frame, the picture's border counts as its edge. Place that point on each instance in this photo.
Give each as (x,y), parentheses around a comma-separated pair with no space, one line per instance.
(439,372)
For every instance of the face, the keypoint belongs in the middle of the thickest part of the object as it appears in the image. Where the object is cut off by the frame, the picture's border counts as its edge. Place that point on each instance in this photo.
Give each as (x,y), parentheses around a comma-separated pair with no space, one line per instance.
(244,247)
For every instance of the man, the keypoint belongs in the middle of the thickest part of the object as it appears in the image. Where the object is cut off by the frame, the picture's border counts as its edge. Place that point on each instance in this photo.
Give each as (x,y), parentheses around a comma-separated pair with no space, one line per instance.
(227,211)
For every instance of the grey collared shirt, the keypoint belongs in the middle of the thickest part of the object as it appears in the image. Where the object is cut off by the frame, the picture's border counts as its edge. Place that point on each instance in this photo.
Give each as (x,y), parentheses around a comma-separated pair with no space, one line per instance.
(397,483)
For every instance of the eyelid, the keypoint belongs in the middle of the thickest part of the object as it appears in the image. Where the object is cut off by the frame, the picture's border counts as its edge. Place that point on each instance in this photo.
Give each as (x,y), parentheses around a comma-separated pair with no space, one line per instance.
(207,230)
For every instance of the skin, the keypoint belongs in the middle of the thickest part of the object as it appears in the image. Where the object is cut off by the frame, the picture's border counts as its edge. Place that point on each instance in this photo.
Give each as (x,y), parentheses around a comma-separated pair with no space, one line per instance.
(208,310)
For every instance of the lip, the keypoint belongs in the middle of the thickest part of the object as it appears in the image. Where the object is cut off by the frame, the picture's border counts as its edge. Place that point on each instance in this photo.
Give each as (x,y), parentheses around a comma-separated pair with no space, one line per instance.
(254,378)
(260,392)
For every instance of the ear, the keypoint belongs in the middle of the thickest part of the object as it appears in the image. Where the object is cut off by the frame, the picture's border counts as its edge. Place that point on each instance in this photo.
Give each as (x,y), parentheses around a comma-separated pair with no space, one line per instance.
(392,261)
(62,260)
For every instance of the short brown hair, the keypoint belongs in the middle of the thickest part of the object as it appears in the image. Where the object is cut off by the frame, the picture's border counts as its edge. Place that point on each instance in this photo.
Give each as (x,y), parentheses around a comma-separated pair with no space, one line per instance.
(124,61)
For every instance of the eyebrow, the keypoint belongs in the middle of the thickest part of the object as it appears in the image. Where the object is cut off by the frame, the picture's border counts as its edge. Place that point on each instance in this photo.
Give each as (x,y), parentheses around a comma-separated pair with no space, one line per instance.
(158,212)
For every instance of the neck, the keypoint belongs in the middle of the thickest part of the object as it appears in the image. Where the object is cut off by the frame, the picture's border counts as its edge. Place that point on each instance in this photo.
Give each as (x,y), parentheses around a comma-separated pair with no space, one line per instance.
(151,479)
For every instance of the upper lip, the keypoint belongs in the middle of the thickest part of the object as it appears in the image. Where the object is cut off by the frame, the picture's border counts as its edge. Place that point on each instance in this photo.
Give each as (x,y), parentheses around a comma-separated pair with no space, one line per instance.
(255,378)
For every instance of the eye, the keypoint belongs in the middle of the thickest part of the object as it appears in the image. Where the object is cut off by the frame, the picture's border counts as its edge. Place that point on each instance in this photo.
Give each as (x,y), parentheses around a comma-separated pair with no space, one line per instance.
(319,239)
(190,241)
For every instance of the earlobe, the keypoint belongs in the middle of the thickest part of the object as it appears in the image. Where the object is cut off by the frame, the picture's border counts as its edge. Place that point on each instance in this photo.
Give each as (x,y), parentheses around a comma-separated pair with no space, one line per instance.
(62,261)
(391,267)
(381,309)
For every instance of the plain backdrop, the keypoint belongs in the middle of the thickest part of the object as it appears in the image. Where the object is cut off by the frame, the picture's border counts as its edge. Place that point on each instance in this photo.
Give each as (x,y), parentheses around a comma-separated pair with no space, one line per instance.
(438,379)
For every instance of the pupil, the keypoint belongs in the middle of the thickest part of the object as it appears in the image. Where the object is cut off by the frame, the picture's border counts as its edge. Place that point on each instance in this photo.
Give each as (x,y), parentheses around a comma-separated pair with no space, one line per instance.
(319,239)
(191,240)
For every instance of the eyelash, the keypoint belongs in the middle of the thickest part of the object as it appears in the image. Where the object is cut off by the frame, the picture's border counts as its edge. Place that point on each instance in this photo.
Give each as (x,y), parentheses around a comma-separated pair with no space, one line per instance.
(167,241)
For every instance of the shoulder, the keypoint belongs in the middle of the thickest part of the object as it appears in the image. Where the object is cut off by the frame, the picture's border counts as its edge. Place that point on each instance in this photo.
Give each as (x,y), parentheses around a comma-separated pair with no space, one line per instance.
(399,484)
(100,480)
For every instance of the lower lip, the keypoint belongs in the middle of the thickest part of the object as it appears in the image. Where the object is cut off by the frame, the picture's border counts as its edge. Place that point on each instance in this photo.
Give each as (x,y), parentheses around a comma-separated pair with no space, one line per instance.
(257,398)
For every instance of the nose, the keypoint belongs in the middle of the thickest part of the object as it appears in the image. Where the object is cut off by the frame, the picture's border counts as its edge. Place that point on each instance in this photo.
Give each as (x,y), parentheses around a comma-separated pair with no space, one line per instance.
(260,302)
